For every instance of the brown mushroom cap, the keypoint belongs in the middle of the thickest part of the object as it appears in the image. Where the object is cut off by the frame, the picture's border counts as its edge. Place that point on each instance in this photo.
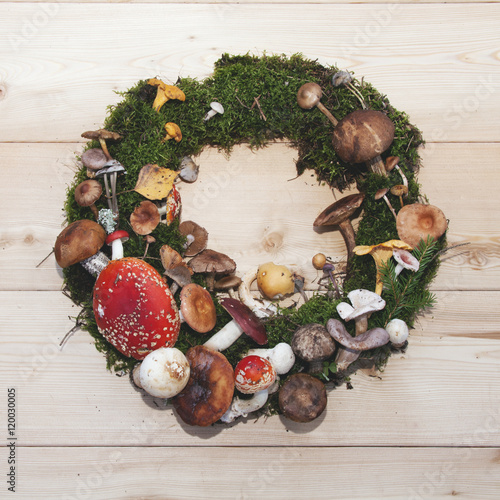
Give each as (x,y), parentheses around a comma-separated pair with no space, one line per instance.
(200,235)
(94,159)
(197,308)
(362,135)
(417,222)
(312,343)
(210,261)
(88,192)
(339,211)
(309,95)
(145,217)
(227,283)
(209,391)
(170,258)
(302,397)
(101,134)
(391,162)
(399,190)
(79,241)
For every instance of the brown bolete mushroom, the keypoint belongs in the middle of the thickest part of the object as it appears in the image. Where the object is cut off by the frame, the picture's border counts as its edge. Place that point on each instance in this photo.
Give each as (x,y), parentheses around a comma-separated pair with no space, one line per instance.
(362,136)
(302,398)
(145,218)
(87,193)
(210,388)
(313,344)
(309,95)
(417,222)
(81,242)
(338,214)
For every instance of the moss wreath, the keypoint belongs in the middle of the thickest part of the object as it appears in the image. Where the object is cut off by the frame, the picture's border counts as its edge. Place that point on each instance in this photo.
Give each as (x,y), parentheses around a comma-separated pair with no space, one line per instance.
(259,95)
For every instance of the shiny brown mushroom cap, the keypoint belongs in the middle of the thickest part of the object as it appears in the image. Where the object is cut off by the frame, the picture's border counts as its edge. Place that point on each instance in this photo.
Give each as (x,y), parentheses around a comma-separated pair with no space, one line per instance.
(339,211)
(197,232)
(197,308)
(302,398)
(88,192)
(94,159)
(417,222)
(362,135)
(79,241)
(209,391)
(145,218)
(309,95)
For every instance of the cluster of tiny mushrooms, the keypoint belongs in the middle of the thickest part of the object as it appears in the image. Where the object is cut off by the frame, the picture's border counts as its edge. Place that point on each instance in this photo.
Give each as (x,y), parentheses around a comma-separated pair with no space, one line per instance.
(135,307)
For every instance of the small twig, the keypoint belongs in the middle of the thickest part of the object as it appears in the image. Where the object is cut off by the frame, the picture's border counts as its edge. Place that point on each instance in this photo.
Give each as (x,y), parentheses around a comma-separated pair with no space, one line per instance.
(444,250)
(242,103)
(257,103)
(78,324)
(41,262)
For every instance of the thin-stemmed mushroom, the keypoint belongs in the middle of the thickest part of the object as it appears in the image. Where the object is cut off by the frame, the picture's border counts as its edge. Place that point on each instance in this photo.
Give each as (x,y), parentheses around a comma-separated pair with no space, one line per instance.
(338,214)
(399,190)
(344,78)
(196,237)
(87,193)
(382,194)
(228,284)
(212,264)
(145,218)
(93,160)
(392,162)
(309,95)
(149,240)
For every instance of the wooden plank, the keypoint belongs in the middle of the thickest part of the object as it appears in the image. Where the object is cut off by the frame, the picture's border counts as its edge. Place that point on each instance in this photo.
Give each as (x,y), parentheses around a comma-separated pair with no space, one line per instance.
(257,216)
(439,393)
(246,474)
(50,70)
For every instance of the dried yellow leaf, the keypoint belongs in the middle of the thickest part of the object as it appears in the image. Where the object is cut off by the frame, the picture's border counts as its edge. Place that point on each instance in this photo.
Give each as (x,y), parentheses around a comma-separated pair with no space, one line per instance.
(154,182)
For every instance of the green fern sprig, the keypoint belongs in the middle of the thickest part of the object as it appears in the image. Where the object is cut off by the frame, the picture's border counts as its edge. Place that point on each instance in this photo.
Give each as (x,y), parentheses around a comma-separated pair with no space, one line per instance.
(406,295)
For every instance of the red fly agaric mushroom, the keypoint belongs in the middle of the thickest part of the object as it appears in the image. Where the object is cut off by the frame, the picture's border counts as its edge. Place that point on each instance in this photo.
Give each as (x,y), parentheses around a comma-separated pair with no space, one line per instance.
(309,95)
(197,308)
(210,388)
(302,398)
(338,214)
(145,218)
(253,375)
(172,207)
(87,193)
(81,242)
(115,240)
(134,309)
(418,222)
(362,136)
(244,321)
(164,372)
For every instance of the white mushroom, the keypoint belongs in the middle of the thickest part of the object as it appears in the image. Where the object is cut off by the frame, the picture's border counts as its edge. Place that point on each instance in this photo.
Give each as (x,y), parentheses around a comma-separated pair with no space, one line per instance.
(398,332)
(281,357)
(164,372)
(216,108)
(242,407)
(405,260)
(262,309)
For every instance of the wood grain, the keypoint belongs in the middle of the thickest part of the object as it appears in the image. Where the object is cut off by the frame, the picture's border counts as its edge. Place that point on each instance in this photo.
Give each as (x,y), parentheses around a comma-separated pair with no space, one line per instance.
(447,83)
(280,473)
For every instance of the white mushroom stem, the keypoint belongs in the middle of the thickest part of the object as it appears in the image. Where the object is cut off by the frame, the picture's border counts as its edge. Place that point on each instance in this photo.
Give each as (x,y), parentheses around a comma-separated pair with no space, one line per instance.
(262,309)
(388,203)
(281,356)
(242,407)
(403,176)
(117,249)
(225,337)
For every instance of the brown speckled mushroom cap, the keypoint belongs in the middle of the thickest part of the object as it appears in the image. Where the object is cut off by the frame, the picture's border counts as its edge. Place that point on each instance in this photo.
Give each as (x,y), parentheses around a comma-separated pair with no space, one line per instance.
(145,218)
(197,308)
(302,398)
(417,221)
(79,241)
(200,235)
(362,135)
(209,391)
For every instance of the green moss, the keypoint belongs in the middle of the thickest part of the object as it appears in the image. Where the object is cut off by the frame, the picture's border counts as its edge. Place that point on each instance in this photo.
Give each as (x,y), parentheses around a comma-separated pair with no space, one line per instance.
(238,82)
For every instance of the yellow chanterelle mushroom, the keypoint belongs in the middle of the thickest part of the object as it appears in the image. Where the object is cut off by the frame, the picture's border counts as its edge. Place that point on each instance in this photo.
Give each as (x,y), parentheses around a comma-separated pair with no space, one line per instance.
(165,93)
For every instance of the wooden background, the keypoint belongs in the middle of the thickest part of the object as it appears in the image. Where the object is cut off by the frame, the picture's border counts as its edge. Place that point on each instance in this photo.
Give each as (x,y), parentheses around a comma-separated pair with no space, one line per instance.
(427,427)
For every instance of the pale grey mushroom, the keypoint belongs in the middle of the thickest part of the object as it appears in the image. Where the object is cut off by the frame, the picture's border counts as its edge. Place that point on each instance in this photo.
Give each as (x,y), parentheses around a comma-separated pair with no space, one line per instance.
(215,108)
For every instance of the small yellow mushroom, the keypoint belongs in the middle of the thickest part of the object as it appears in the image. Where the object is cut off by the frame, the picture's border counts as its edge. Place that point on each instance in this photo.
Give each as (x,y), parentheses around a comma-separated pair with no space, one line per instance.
(165,93)
(173,132)
(381,253)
